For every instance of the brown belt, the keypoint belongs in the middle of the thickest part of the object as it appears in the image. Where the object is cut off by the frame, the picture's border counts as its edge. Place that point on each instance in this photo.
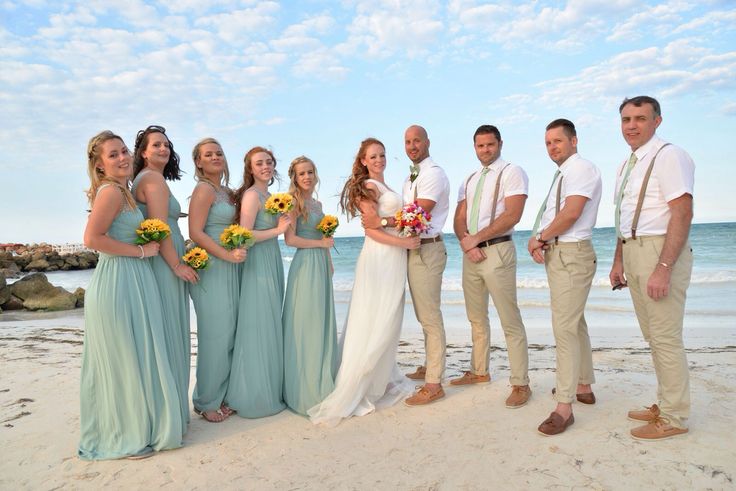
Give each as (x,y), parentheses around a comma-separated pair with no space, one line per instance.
(494,241)
(431,240)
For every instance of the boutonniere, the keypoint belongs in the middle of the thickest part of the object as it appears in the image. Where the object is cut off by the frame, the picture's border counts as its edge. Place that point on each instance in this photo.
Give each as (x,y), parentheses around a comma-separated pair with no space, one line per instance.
(414,172)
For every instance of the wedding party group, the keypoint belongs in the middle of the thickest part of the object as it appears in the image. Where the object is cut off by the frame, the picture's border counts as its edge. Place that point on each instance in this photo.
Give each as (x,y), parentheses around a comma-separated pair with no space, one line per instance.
(265,344)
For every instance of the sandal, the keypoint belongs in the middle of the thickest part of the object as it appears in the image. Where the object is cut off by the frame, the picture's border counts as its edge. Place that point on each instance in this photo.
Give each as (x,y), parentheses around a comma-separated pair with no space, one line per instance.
(212,416)
(227,410)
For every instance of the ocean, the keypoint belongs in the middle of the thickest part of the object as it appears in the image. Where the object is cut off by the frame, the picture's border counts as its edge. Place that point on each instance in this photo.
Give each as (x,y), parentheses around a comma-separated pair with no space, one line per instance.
(710,308)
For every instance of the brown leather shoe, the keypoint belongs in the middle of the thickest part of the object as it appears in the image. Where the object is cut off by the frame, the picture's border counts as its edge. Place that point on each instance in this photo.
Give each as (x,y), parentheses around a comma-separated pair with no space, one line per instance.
(647,414)
(658,429)
(419,374)
(471,378)
(554,425)
(519,396)
(424,396)
(588,398)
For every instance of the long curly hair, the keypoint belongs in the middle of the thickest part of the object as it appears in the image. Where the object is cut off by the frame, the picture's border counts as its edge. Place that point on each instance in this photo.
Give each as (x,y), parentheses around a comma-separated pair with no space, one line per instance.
(199,174)
(172,172)
(297,192)
(355,190)
(96,175)
(248,178)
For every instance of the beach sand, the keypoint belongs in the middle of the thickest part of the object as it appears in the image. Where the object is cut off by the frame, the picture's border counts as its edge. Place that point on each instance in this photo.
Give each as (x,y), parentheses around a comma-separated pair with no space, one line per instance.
(469,440)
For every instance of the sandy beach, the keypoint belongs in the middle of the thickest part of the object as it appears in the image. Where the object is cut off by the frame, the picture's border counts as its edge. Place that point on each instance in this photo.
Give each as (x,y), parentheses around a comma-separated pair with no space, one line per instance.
(469,440)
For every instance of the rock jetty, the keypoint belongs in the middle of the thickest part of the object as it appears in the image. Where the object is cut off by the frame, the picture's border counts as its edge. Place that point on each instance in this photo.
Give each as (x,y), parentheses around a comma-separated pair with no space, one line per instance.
(17,259)
(34,292)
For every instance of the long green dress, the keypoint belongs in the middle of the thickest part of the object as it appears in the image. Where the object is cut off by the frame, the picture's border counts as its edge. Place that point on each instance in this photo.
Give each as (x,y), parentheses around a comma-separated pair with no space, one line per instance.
(310,345)
(129,403)
(257,375)
(175,303)
(215,299)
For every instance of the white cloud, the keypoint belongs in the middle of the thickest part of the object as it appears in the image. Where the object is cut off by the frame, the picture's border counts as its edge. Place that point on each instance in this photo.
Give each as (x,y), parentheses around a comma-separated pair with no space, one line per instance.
(657,19)
(240,25)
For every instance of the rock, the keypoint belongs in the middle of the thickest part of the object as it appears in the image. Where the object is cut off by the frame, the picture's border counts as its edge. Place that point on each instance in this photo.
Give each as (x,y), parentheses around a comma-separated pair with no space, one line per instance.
(71,260)
(79,295)
(13,303)
(40,264)
(23,260)
(12,271)
(38,294)
(4,290)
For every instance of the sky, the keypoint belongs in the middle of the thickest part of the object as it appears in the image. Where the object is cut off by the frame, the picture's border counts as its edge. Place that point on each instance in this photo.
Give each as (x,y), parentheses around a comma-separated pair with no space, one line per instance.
(316,77)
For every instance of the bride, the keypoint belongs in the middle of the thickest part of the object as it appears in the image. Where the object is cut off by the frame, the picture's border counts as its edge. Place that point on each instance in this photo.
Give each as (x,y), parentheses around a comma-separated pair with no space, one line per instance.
(368,378)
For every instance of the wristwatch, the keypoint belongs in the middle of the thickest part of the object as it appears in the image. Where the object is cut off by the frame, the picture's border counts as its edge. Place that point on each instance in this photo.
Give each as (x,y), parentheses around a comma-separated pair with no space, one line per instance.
(384,222)
(539,237)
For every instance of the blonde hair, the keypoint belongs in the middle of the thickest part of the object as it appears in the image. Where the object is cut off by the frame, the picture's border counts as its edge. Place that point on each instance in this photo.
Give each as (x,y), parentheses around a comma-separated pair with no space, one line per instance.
(198,173)
(97,176)
(355,190)
(295,190)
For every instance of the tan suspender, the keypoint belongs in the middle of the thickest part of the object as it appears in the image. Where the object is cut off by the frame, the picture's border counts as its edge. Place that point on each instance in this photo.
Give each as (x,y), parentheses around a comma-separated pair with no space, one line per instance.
(495,192)
(642,192)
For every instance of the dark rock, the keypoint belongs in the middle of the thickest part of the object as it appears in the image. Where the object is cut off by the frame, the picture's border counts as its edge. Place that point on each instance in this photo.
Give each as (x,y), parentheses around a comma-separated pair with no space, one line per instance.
(79,295)
(4,290)
(39,264)
(38,294)
(13,303)
(23,260)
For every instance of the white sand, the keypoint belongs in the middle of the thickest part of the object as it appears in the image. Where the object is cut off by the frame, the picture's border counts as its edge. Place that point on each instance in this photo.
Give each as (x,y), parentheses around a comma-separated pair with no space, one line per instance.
(469,440)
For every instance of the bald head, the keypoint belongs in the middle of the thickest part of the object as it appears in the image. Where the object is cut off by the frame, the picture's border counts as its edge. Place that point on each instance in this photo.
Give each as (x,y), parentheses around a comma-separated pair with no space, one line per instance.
(416,143)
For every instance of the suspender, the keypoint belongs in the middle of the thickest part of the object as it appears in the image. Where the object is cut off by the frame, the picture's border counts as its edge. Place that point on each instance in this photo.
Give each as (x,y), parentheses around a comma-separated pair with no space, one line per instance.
(495,192)
(642,192)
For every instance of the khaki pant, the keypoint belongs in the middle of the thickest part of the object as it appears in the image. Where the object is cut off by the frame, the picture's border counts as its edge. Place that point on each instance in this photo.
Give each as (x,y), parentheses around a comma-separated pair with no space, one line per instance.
(661,322)
(495,275)
(426,266)
(570,270)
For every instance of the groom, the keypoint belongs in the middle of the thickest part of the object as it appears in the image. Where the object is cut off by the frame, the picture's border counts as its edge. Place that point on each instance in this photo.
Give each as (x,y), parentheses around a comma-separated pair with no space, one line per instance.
(428,185)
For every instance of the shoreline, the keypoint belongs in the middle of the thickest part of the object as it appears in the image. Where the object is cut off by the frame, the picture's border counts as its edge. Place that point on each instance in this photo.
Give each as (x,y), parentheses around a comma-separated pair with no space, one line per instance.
(467,440)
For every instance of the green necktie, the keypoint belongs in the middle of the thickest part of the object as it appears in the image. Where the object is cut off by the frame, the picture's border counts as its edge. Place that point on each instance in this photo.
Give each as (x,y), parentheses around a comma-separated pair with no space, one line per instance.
(620,196)
(544,205)
(475,209)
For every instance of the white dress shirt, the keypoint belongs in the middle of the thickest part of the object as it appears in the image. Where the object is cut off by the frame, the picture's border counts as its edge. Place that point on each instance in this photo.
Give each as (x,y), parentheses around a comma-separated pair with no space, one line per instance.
(579,178)
(513,182)
(673,176)
(431,184)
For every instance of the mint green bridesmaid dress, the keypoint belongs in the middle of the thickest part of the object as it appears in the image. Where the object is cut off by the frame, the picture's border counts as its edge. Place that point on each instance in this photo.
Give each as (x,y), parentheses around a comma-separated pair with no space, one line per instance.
(129,403)
(175,303)
(257,375)
(310,335)
(215,298)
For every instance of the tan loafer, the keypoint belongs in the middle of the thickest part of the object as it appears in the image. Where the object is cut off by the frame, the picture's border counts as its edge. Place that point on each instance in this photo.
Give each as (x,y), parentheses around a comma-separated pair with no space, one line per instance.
(659,429)
(647,414)
(519,396)
(587,398)
(419,374)
(554,425)
(424,396)
(471,378)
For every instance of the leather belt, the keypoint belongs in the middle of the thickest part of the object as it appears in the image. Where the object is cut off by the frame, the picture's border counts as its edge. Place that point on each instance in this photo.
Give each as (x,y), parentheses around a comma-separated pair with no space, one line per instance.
(494,241)
(431,240)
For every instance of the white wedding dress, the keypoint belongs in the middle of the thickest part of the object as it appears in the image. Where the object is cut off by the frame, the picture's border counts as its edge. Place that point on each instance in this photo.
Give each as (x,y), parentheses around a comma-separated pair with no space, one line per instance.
(368,378)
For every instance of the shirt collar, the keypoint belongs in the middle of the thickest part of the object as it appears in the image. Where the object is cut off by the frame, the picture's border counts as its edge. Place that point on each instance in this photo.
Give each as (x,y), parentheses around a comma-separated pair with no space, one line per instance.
(566,164)
(425,163)
(642,151)
(494,166)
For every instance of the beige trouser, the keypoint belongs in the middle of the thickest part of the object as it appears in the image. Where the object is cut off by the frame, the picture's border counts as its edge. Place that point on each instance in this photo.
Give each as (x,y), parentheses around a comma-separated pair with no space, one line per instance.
(570,270)
(426,266)
(497,275)
(661,322)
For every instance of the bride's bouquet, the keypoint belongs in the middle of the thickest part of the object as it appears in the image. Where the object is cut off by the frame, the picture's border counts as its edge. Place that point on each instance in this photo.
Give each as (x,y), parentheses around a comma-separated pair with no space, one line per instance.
(412,220)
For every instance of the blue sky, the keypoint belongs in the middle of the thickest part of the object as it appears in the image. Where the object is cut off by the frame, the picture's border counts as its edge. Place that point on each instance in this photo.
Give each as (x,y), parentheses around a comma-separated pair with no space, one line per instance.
(316,77)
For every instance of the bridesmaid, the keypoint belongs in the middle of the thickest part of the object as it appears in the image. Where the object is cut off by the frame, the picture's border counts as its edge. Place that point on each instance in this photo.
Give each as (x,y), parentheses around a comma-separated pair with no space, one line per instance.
(310,346)
(215,296)
(128,395)
(154,163)
(256,382)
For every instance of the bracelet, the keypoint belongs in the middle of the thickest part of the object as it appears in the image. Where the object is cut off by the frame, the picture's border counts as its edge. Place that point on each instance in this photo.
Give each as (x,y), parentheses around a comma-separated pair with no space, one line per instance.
(143,254)
(666,266)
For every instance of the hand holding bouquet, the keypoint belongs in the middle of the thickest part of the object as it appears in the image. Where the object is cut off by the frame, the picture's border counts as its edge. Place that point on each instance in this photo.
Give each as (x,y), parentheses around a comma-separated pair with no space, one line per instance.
(412,220)
(235,236)
(152,230)
(279,203)
(327,226)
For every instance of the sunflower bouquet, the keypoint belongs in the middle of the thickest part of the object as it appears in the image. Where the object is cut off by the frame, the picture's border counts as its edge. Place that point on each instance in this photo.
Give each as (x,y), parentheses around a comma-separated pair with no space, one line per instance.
(279,203)
(235,236)
(197,258)
(152,230)
(328,225)
(412,220)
